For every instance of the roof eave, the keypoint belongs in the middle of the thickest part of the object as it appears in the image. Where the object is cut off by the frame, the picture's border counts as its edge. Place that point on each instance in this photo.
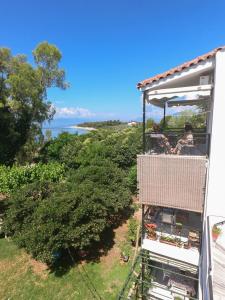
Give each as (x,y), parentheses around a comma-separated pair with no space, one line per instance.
(187,72)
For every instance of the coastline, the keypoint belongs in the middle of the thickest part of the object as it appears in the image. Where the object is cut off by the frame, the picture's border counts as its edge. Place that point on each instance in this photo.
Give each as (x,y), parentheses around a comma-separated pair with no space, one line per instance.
(84,128)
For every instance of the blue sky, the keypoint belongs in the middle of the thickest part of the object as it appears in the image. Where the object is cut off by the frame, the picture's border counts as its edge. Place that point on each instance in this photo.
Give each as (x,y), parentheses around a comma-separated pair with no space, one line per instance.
(108,46)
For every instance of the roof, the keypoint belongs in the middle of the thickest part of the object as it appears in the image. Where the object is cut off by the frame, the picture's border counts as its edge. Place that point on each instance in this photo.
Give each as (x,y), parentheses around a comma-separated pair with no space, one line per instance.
(179,68)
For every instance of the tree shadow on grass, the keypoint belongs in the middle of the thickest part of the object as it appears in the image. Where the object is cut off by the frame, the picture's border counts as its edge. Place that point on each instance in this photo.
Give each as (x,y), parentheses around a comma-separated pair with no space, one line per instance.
(71,257)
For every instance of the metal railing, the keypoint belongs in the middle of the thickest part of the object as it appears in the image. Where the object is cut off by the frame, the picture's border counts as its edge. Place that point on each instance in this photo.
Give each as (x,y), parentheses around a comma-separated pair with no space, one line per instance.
(174,142)
(140,279)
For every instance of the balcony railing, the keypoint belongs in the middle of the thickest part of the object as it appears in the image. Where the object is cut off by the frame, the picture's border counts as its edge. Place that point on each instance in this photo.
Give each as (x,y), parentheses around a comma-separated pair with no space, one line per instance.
(173,142)
(176,235)
(147,278)
(172,227)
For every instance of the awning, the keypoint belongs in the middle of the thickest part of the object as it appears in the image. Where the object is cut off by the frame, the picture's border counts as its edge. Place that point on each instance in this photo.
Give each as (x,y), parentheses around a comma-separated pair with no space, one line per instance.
(191,95)
(189,102)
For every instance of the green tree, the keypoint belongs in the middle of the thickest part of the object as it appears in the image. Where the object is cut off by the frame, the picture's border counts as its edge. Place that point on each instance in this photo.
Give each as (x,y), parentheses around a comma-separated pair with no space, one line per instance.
(119,147)
(149,123)
(48,135)
(108,182)
(64,149)
(49,218)
(196,118)
(23,96)
(132,179)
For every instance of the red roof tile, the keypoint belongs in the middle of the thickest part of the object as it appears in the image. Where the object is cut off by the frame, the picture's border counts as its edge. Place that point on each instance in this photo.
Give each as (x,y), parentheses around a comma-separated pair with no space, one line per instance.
(180,67)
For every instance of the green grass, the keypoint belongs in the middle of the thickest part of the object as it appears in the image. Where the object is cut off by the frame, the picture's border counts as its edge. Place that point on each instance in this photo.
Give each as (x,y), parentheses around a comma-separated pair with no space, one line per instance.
(18,280)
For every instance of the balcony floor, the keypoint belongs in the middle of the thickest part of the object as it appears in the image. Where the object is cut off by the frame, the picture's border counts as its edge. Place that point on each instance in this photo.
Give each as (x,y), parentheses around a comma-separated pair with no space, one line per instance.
(159,292)
(189,256)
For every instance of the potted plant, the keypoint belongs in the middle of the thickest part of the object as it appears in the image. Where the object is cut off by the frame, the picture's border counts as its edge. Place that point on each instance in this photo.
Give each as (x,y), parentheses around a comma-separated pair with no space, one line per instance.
(151,231)
(215,232)
(187,245)
(171,241)
(125,252)
(168,240)
(179,243)
(151,226)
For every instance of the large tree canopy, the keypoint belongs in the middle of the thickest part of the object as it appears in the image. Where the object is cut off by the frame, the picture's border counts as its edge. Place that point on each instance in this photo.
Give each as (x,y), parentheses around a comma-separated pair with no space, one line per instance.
(73,210)
(47,218)
(23,96)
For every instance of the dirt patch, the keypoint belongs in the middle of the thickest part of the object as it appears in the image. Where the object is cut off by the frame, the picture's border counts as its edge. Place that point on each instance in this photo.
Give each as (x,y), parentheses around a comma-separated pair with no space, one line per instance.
(121,232)
(113,254)
(39,268)
(11,271)
(21,264)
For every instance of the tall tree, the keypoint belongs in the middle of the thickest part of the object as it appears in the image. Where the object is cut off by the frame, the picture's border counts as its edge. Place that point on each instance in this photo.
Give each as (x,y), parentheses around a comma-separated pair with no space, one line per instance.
(23,96)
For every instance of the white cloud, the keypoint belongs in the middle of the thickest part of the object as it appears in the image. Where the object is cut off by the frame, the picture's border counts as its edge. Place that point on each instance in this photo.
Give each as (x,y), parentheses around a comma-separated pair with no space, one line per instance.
(73,112)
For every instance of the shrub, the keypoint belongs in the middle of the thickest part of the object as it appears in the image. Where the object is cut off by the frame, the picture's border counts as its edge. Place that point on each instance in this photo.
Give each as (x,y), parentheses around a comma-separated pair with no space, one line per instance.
(13,178)
(125,249)
(132,229)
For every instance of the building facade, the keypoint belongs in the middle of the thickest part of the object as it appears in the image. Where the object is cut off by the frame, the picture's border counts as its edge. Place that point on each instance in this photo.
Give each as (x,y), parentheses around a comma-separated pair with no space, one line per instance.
(181,184)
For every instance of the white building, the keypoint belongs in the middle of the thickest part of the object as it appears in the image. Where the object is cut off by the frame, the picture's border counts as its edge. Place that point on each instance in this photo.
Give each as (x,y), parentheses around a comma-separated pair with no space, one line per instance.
(182,191)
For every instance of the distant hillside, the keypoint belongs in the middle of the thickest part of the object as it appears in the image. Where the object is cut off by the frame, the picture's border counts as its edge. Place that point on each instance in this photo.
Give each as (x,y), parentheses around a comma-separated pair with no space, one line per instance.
(102,124)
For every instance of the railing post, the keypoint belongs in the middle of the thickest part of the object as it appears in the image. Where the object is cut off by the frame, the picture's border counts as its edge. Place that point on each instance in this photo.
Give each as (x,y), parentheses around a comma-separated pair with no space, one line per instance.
(208,143)
(143,137)
(164,116)
(142,238)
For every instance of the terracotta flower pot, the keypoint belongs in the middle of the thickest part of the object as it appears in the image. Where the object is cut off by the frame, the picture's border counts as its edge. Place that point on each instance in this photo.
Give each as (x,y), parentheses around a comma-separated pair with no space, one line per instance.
(152,237)
(215,232)
(215,236)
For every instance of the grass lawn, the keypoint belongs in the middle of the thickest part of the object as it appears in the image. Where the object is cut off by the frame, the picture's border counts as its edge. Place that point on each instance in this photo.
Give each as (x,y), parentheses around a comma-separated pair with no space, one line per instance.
(19,279)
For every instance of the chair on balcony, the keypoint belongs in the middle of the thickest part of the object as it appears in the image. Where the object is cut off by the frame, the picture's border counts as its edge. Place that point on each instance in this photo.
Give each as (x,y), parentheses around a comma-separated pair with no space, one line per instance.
(191,150)
(159,144)
(167,216)
(194,238)
(188,150)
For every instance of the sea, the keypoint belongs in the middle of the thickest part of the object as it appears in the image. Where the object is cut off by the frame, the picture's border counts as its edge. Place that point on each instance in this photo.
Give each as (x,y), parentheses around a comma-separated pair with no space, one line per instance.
(56,131)
(57,126)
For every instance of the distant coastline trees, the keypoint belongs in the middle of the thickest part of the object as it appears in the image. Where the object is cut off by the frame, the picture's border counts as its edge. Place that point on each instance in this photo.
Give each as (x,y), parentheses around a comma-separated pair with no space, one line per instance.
(102,124)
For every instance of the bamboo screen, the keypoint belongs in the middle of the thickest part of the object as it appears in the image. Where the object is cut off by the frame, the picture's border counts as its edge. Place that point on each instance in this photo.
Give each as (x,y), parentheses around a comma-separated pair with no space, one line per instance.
(172,181)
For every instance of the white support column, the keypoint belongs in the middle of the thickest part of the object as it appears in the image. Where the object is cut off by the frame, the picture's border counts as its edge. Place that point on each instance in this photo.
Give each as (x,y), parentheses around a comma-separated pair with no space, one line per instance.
(216,180)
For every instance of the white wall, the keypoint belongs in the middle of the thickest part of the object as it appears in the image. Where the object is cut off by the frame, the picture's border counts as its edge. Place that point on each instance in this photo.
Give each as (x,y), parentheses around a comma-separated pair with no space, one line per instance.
(215,190)
(216,179)
(205,274)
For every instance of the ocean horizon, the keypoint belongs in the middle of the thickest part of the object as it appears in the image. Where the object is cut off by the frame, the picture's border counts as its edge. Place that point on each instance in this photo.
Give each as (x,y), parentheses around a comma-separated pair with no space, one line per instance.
(58,126)
(56,131)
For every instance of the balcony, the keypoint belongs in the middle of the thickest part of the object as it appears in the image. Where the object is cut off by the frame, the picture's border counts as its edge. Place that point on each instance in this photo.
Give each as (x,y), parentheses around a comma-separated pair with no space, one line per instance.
(169,283)
(174,181)
(173,234)
(149,279)
(172,142)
